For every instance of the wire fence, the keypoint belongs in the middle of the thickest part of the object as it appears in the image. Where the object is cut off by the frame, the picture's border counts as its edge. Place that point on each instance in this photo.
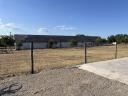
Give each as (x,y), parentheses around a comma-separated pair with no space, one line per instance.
(20,62)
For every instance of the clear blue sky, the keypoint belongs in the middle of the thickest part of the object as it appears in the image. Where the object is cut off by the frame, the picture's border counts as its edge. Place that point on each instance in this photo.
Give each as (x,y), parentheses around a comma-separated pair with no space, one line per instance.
(64,17)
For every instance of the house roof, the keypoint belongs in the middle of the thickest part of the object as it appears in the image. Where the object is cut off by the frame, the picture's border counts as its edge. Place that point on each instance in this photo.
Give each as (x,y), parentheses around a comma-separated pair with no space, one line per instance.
(46,38)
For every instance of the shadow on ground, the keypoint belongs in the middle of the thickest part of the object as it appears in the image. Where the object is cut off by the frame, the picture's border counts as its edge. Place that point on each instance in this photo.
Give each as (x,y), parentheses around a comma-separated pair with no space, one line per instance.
(11,89)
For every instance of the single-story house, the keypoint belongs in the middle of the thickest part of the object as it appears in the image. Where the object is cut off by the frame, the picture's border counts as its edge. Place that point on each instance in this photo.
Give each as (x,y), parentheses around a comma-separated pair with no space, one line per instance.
(42,41)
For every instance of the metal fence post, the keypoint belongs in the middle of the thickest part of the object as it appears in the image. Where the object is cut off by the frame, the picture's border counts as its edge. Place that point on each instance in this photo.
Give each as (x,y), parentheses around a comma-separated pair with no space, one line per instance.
(116,51)
(85,50)
(32,61)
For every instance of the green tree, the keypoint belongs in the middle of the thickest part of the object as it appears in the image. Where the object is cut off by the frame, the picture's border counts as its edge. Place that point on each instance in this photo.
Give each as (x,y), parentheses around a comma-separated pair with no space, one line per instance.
(111,39)
(73,43)
(6,41)
(126,39)
(119,38)
(101,41)
(98,40)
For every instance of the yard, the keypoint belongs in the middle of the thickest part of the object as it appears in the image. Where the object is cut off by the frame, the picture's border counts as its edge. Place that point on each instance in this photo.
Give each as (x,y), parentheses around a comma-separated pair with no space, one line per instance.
(19,62)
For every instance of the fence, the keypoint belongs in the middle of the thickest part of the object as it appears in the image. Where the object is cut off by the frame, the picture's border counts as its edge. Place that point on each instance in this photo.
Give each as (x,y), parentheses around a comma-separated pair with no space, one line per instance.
(34,60)
(6,50)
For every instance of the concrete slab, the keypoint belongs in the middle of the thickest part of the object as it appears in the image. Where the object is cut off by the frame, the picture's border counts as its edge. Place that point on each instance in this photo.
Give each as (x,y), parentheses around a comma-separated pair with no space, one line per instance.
(116,69)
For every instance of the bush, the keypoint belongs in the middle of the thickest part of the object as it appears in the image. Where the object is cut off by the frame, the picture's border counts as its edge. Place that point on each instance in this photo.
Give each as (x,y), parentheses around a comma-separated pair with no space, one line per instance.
(51,43)
(73,43)
(18,45)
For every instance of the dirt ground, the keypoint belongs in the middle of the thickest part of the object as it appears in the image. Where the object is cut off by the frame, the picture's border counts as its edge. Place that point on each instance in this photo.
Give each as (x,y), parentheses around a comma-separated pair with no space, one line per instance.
(62,82)
(19,62)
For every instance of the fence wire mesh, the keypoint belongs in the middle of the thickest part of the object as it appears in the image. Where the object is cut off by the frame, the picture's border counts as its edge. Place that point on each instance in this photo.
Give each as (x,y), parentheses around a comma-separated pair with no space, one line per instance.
(19,62)
(14,63)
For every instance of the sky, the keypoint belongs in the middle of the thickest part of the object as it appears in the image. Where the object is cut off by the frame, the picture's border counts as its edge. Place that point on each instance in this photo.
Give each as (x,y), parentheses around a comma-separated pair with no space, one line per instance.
(64,17)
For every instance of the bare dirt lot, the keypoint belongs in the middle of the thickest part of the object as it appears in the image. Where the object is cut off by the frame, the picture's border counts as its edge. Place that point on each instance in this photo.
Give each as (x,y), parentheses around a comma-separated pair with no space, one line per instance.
(62,82)
(19,62)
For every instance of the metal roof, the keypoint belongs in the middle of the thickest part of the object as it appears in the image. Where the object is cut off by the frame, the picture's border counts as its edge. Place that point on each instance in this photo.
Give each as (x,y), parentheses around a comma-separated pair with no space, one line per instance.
(46,38)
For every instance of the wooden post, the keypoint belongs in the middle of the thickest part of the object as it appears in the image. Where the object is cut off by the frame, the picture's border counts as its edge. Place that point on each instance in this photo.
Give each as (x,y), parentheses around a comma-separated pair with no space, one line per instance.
(116,51)
(85,50)
(32,61)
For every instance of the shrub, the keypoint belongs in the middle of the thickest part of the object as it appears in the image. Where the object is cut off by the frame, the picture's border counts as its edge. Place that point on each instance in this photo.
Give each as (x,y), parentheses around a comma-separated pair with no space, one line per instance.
(73,43)
(51,43)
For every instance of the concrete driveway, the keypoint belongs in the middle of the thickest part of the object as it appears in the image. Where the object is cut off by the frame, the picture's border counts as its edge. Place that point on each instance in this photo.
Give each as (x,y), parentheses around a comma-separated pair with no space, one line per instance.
(116,69)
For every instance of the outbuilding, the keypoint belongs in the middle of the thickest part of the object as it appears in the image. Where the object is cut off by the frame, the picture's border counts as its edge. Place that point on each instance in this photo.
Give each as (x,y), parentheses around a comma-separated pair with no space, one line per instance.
(59,41)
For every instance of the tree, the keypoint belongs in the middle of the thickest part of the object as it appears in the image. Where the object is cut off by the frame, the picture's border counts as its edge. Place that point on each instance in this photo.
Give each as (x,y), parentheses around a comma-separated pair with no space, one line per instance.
(111,39)
(119,38)
(98,40)
(6,41)
(126,39)
(101,41)
(73,43)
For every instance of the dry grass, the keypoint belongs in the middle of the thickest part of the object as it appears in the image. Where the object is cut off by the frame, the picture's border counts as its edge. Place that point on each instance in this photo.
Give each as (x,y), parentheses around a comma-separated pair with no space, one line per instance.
(19,62)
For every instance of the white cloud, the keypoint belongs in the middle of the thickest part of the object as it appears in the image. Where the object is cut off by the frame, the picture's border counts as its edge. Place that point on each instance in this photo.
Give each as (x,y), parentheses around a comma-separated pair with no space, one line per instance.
(6,28)
(9,26)
(42,31)
(65,28)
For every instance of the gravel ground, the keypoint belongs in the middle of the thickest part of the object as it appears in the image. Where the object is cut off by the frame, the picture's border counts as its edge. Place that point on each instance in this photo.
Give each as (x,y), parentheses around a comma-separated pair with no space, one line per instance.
(62,82)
